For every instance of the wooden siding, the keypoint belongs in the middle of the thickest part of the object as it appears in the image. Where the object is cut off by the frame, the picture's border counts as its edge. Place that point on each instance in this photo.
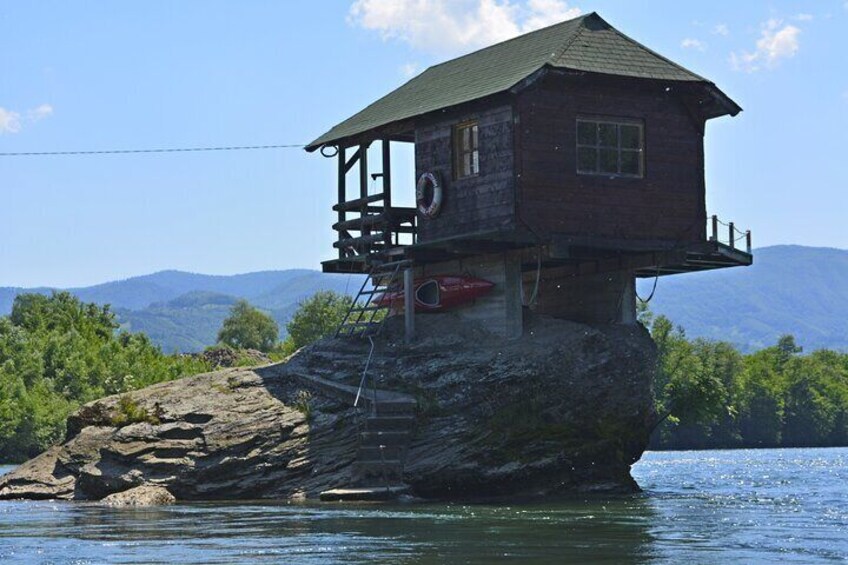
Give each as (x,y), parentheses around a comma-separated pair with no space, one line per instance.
(668,203)
(475,204)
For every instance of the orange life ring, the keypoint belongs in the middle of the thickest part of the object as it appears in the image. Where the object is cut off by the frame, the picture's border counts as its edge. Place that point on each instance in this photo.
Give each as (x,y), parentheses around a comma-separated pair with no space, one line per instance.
(429,187)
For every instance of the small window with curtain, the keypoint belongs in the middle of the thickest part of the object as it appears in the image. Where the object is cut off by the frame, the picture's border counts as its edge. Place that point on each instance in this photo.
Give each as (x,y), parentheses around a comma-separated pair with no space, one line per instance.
(610,147)
(466,157)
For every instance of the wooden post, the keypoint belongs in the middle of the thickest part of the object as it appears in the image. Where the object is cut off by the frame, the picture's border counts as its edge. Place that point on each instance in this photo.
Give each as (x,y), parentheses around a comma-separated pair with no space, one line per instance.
(732,233)
(363,171)
(748,241)
(409,304)
(363,188)
(715,228)
(387,174)
(342,193)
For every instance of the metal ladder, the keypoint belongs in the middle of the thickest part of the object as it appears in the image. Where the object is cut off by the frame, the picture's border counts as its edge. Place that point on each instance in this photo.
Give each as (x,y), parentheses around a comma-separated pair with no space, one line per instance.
(366,315)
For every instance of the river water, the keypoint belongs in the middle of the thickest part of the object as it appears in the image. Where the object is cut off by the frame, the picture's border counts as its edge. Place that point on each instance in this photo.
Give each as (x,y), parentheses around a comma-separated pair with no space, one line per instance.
(788,505)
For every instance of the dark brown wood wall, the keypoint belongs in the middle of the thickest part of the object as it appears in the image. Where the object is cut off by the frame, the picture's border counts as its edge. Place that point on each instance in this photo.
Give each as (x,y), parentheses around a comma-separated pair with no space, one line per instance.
(474,204)
(667,204)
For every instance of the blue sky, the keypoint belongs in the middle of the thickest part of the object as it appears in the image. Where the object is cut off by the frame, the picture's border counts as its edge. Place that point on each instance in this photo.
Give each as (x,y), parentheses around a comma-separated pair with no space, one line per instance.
(112,75)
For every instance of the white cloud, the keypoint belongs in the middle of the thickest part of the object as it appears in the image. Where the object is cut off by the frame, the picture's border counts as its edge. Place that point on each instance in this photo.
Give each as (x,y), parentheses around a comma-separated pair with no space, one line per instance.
(804,17)
(450,26)
(10,122)
(776,42)
(690,43)
(721,29)
(409,70)
(43,111)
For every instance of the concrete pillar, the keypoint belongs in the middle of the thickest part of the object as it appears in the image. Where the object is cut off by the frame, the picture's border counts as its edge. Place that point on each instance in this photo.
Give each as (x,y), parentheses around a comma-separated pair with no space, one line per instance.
(514,312)
(628,301)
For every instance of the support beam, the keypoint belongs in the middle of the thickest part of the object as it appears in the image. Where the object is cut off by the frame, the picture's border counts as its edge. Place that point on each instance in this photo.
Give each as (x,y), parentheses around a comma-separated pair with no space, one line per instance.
(409,304)
(363,171)
(353,160)
(387,174)
(342,194)
(363,183)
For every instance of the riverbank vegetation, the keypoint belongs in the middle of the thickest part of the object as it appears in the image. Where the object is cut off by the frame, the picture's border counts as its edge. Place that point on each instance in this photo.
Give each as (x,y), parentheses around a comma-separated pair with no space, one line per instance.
(709,395)
(57,353)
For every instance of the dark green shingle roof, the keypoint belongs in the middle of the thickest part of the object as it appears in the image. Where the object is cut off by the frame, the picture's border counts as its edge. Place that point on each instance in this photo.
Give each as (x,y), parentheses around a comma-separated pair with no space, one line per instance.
(587,43)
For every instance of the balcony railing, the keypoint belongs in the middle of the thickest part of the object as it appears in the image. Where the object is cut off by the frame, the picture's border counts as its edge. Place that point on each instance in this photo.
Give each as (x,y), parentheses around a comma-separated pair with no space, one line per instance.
(732,234)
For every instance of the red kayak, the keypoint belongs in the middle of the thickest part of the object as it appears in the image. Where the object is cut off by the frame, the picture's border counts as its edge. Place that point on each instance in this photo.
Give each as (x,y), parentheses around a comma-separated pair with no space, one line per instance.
(439,293)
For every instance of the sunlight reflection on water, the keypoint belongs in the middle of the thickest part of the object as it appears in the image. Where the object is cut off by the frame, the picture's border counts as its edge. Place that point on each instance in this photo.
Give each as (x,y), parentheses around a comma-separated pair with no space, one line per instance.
(705,507)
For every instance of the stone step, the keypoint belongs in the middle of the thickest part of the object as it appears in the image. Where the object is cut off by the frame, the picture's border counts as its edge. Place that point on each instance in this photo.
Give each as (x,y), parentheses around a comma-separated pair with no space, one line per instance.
(393,438)
(378,472)
(395,407)
(399,423)
(379,453)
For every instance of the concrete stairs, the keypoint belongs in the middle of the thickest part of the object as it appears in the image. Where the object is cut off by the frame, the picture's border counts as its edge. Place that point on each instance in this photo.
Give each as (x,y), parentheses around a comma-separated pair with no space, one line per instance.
(383,445)
(384,439)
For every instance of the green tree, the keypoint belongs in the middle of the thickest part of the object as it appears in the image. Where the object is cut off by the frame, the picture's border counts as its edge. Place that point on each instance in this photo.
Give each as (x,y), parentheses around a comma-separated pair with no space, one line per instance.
(57,353)
(692,386)
(316,317)
(248,328)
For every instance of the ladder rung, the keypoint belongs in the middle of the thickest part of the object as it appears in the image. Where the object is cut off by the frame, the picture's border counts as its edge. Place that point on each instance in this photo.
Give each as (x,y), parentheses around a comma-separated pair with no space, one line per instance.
(375,291)
(367,309)
(360,325)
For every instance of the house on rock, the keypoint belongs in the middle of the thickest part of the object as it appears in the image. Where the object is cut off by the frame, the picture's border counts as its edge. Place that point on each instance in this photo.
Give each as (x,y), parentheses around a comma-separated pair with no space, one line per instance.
(553,170)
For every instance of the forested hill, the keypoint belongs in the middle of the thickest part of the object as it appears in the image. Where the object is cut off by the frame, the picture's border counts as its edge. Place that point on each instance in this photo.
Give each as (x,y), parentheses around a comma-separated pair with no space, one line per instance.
(789,289)
(183,311)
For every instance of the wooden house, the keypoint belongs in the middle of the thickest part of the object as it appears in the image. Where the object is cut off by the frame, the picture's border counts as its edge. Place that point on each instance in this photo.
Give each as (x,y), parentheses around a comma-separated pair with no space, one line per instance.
(559,165)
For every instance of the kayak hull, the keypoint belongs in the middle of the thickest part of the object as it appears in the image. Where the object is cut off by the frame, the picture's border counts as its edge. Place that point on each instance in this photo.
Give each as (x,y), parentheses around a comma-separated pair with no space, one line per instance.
(439,293)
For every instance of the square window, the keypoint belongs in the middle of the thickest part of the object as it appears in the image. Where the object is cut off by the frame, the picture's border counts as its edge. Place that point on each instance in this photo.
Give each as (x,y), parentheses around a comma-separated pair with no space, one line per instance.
(610,147)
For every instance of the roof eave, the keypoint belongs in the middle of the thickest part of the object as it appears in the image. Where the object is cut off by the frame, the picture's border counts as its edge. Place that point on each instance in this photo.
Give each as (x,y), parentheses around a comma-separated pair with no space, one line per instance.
(723,101)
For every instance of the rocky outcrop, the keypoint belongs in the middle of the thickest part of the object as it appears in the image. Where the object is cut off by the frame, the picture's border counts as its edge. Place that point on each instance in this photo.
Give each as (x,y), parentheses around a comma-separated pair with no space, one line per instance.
(145,495)
(567,407)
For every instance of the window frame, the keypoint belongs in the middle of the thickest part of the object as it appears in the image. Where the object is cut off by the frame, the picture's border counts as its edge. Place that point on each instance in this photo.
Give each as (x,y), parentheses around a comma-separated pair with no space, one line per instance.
(599,146)
(459,153)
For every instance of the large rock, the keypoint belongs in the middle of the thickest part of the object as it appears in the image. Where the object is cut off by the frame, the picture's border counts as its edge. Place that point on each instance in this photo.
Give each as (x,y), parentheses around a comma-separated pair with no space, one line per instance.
(145,495)
(567,407)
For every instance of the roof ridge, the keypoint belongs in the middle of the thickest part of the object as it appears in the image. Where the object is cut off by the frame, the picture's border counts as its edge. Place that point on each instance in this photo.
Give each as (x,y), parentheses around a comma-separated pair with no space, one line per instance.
(572,39)
(654,53)
(512,39)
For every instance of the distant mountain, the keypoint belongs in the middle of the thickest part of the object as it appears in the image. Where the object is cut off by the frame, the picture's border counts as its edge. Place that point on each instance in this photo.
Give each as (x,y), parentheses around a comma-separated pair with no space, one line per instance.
(183,311)
(788,290)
